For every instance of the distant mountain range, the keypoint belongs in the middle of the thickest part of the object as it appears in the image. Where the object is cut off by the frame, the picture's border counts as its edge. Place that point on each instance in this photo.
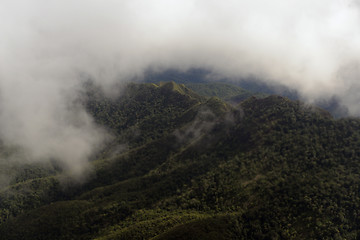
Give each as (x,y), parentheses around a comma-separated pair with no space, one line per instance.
(196,161)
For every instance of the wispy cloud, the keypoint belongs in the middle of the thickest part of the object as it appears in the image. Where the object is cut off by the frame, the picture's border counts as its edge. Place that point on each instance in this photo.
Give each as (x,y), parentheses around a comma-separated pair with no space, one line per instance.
(45,46)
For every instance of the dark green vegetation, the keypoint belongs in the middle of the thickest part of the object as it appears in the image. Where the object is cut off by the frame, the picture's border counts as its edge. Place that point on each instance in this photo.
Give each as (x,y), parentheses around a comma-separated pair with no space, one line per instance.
(232,90)
(229,93)
(182,166)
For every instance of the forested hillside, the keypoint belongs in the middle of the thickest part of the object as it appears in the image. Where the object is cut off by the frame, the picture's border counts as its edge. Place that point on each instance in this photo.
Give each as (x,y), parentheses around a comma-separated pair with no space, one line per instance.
(185,166)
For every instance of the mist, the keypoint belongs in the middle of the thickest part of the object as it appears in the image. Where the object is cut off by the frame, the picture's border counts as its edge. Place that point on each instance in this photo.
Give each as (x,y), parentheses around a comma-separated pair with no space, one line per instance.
(47,47)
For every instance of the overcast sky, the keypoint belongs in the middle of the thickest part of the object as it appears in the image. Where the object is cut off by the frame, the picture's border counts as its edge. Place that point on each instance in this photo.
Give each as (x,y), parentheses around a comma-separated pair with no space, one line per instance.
(45,45)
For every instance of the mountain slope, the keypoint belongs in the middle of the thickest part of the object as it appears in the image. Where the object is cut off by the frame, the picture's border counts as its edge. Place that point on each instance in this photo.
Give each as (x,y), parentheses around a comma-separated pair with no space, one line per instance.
(268,168)
(229,93)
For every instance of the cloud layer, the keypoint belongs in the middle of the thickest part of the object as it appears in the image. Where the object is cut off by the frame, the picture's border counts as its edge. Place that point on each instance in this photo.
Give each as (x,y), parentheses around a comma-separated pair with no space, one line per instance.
(46,46)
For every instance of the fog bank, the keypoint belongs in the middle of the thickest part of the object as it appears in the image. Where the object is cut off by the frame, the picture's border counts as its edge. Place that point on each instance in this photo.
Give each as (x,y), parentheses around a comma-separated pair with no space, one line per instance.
(47,47)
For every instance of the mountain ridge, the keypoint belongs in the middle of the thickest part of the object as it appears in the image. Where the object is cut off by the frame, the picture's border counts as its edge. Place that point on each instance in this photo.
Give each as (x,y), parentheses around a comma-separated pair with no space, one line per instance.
(267,168)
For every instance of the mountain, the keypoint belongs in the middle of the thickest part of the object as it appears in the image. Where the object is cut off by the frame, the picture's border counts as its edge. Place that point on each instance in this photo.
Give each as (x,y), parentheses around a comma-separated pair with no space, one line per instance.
(206,83)
(185,166)
(227,92)
(195,75)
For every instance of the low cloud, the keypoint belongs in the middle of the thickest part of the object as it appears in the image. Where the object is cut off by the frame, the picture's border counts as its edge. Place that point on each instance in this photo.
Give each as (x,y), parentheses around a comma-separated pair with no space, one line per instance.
(202,124)
(47,47)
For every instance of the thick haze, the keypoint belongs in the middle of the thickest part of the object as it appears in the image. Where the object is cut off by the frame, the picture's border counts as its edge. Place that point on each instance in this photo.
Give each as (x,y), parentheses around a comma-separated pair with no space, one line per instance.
(46,46)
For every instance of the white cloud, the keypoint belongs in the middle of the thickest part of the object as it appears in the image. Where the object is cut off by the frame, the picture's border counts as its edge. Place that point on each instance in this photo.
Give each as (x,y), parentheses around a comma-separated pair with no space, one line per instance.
(312,46)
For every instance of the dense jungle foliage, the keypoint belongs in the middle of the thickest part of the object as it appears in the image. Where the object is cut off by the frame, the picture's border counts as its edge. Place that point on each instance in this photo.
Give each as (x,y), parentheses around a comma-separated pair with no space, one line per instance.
(185,166)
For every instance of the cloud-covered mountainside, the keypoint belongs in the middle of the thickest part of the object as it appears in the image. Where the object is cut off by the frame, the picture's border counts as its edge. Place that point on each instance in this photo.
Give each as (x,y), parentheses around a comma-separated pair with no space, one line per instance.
(182,166)
(48,48)
(86,151)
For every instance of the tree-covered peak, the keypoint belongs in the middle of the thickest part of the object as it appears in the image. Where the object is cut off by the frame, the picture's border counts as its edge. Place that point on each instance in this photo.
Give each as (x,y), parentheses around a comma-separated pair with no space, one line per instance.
(198,166)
